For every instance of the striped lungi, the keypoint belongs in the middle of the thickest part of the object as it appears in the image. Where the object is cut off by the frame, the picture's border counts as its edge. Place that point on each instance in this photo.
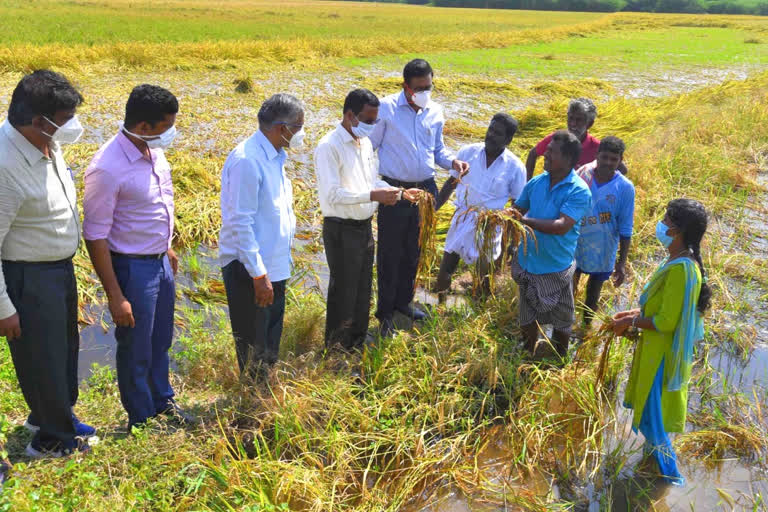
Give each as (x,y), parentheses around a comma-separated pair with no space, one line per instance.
(545,298)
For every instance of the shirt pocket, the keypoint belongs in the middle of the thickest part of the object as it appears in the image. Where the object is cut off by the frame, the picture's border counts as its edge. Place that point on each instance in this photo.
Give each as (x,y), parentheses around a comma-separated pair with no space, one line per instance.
(426,135)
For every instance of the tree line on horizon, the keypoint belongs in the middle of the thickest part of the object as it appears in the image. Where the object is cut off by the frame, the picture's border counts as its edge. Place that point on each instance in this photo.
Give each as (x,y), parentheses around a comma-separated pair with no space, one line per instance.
(755,7)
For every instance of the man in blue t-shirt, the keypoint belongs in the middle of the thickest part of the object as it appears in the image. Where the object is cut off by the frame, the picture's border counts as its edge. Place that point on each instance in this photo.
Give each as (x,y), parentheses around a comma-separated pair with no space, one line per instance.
(608,226)
(552,204)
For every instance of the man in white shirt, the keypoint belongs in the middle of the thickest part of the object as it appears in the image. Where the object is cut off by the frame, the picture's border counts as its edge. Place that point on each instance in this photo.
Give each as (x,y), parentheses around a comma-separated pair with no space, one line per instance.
(257,231)
(39,235)
(350,192)
(495,176)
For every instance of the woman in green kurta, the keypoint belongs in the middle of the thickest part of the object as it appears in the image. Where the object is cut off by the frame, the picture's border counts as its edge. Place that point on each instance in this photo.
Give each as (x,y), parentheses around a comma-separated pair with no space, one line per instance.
(670,322)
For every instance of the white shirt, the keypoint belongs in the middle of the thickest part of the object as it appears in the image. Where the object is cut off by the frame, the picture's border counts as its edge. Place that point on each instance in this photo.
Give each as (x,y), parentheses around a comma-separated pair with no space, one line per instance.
(38,206)
(346,173)
(257,219)
(486,188)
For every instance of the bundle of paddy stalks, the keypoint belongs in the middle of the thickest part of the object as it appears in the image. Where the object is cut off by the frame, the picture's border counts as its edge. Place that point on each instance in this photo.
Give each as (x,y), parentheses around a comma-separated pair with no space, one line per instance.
(489,224)
(602,339)
(428,257)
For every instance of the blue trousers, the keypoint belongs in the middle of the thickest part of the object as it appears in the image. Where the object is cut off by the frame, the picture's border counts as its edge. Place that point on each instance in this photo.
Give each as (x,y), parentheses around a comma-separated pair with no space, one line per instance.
(142,351)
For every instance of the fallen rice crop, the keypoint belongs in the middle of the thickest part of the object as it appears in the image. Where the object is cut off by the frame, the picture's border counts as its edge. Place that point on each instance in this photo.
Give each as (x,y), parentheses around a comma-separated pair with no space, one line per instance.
(392,427)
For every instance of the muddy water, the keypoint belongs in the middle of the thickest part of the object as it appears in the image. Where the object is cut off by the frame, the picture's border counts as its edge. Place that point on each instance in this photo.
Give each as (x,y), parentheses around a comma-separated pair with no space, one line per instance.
(707,488)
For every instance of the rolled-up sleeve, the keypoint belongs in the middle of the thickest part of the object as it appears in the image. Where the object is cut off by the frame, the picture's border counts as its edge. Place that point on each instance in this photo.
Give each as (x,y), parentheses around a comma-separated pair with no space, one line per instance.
(99,200)
(10,202)
(245,183)
(577,204)
(626,215)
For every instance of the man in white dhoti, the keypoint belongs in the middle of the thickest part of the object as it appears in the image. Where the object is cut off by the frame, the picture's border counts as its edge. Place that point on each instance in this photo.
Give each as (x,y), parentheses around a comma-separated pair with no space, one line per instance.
(495,176)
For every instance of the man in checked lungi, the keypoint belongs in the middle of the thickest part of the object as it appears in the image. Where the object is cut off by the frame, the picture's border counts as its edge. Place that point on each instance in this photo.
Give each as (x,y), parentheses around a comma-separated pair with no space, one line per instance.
(552,204)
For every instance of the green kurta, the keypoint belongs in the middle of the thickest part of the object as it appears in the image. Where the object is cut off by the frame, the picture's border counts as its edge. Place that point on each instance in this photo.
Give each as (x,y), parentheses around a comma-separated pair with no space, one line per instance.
(665,307)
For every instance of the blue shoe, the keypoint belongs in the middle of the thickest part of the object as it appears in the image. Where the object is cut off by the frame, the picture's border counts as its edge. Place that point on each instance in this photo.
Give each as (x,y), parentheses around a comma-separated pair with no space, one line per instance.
(413,313)
(37,449)
(81,429)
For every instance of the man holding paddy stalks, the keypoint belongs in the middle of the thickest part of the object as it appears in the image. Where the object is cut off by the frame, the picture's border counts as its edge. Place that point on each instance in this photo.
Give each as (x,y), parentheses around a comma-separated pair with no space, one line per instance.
(39,235)
(670,323)
(128,228)
(495,176)
(409,140)
(581,115)
(350,191)
(552,204)
(257,231)
(608,227)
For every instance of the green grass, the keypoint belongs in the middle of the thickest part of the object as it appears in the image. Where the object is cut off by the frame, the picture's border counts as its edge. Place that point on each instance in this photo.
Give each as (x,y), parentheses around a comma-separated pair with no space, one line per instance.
(121,21)
(631,51)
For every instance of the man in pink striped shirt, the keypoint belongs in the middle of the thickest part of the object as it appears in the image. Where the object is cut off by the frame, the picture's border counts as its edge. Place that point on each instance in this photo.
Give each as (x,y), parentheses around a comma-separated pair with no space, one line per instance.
(128,227)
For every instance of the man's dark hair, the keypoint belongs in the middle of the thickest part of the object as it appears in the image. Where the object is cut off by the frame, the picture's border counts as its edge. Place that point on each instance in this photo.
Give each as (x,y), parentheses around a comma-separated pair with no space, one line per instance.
(41,93)
(612,144)
(507,121)
(149,104)
(357,100)
(417,68)
(570,146)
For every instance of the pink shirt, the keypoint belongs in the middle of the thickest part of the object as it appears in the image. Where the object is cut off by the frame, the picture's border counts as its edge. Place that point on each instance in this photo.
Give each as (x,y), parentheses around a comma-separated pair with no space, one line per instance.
(588,148)
(128,199)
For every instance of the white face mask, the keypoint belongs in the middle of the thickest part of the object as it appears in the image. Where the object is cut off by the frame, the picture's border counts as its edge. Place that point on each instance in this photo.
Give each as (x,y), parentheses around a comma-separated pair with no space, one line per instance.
(297,140)
(363,129)
(68,133)
(421,98)
(162,141)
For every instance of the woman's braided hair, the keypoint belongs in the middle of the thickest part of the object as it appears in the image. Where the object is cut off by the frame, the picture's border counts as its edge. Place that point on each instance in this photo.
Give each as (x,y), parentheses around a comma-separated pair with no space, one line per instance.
(690,217)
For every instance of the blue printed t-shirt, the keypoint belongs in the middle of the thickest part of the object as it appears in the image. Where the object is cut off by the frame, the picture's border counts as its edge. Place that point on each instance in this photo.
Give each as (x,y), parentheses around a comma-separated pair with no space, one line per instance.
(571,197)
(613,208)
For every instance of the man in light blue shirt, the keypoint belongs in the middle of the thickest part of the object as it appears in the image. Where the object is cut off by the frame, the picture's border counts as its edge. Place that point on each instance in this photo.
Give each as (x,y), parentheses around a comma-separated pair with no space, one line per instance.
(552,203)
(608,227)
(257,231)
(409,139)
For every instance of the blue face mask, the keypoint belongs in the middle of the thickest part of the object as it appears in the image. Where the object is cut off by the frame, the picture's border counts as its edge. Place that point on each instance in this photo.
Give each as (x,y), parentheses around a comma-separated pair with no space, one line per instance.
(363,129)
(661,234)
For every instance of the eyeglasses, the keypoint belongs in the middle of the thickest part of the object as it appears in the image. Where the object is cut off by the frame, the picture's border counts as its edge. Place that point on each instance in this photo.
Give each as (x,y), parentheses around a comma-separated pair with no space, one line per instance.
(299,126)
(376,121)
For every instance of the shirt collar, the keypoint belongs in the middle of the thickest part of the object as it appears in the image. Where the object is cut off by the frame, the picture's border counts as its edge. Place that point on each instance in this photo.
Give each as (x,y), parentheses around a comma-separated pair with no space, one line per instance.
(270,152)
(402,101)
(132,153)
(344,134)
(569,179)
(30,153)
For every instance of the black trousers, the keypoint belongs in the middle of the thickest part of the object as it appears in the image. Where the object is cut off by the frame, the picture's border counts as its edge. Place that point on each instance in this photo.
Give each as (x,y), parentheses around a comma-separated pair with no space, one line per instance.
(397,258)
(257,330)
(45,356)
(349,251)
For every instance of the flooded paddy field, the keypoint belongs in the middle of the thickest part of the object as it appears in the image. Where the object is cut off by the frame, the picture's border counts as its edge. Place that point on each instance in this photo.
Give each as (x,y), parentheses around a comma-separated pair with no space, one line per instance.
(449,415)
